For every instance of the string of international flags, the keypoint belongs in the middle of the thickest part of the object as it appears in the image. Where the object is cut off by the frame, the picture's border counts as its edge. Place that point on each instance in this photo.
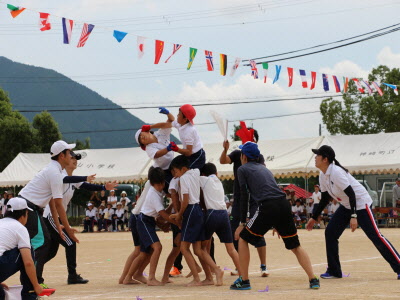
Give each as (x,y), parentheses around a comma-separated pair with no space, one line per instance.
(67,26)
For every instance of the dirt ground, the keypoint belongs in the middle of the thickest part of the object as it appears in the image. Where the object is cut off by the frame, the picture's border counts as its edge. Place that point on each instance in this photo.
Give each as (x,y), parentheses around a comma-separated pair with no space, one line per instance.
(101,257)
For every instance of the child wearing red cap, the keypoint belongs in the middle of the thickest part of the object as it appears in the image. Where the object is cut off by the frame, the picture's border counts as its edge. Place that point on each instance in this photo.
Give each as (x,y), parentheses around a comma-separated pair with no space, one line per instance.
(191,142)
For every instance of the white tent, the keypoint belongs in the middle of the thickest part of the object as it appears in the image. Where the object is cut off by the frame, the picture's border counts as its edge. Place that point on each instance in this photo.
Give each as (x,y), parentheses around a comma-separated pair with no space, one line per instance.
(361,154)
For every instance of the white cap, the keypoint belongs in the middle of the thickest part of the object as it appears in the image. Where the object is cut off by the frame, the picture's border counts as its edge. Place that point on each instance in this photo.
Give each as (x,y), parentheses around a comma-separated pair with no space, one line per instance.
(59,147)
(123,192)
(18,204)
(137,136)
(90,204)
(119,203)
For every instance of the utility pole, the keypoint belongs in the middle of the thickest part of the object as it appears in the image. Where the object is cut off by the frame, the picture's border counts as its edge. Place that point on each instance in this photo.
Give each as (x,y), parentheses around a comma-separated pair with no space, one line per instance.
(320,129)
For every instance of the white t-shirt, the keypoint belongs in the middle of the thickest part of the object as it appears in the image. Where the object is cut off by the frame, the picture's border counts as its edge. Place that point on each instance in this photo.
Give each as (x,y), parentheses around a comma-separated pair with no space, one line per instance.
(336,180)
(309,208)
(125,198)
(316,197)
(332,208)
(298,209)
(142,198)
(47,184)
(112,199)
(68,193)
(91,213)
(153,203)
(13,234)
(108,213)
(163,137)
(190,184)
(189,136)
(120,212)
(213,192)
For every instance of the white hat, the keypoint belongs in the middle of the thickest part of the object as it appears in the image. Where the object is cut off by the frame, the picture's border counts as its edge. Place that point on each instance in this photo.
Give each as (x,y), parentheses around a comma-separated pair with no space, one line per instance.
(90,204)
(123,192)
(59,147)
(137,139)
(119,203)
(18,204)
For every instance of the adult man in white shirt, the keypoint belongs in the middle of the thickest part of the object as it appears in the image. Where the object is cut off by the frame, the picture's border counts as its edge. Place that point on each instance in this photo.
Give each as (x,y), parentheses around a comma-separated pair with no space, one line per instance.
(396,192)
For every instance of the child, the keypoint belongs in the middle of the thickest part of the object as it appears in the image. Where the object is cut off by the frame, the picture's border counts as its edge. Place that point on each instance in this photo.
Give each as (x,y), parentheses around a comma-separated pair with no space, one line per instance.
(108,213)
(101,222)
(112,199)
(118,218)
(90,219)
(192,219)
(191,142)
(217,219)
(158,145)
(15,250)
(146,224)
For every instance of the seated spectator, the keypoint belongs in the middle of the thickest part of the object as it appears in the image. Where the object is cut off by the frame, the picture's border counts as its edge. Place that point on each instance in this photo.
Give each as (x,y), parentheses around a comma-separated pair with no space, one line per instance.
(299,214)
(101,222)
(309,208)
(3,205)
(332,207)
(118,218)
(90,219)
(95,199)
(288,198)
(112,199)
(108,215)
(103,197)
(126,212)
(124,197)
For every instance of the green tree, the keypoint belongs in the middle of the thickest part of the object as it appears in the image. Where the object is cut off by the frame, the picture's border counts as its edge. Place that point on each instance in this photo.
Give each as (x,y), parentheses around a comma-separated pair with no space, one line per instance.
(361,114)
(46,131)
(82,145)
(234,137)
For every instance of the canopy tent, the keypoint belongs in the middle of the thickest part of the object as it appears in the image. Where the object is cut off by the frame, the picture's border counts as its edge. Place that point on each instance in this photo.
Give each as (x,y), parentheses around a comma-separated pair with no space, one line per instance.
(361,154)
(298,191)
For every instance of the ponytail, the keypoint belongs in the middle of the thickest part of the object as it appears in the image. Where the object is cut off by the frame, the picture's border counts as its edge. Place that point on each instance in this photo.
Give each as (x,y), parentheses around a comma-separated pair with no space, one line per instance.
(339,165)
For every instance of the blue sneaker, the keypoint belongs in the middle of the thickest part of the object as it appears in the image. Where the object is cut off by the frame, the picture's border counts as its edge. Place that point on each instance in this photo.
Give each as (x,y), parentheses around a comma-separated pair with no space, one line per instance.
(326,275)
(314,283)
(398,276)
(241,284)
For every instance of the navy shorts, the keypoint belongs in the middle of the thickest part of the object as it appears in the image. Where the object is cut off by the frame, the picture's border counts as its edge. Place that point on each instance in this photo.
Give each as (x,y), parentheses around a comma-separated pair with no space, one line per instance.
(168,178)
(175,231)
(218,221)
(146,226)
(315,208)
(192,224)
(198,159)
(135,233)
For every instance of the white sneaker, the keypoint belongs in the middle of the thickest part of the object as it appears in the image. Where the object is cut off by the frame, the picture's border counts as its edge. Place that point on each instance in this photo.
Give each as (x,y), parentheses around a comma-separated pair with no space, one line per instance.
(234,273)
(265,272)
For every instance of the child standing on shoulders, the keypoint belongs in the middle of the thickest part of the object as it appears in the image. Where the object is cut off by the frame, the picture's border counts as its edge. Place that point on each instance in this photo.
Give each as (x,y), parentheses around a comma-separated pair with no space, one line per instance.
(192,220)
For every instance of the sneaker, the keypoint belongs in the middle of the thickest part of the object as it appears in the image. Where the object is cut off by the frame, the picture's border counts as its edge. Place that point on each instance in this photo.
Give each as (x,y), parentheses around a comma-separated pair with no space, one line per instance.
(326,275)
(44,286)
(241,284)
(314,283)
(234,273)
(264,271)
(77,279)
(83,231)
(175,272)
(398,276)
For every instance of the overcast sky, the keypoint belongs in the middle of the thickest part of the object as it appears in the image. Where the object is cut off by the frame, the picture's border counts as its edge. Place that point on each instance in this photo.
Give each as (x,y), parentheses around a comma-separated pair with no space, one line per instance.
(245,29)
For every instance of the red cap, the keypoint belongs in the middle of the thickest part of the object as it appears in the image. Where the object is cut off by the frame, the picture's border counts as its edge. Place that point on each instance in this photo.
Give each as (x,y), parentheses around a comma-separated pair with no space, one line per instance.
(189,112)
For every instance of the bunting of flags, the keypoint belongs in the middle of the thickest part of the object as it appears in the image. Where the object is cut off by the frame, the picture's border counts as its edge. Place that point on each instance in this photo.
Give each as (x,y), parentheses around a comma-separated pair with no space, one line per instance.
(67,26)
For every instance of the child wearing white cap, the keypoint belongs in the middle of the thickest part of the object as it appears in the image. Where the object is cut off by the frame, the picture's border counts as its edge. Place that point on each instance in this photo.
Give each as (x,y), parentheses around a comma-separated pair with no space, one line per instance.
(15,250)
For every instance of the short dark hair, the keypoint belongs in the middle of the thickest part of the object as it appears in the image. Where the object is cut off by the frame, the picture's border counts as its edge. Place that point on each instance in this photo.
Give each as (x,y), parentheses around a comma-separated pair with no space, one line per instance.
(180,162)
(156,176)
(58,155)
(209,169)
(16,214)
(255,134)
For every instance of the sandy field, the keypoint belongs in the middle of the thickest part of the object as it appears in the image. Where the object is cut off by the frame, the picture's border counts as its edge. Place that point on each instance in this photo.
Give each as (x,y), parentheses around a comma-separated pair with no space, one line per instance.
(101,257)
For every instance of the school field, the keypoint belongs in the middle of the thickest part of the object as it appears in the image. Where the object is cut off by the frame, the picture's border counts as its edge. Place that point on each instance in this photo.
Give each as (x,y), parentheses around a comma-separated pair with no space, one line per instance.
(101,257)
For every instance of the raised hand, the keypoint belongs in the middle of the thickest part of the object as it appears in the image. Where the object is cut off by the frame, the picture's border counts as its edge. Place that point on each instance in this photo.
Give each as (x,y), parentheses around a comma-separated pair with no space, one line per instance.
(163,110)
(146,128)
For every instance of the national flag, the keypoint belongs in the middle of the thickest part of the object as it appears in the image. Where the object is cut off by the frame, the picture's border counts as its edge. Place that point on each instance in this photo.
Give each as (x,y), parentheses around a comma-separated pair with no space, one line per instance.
(119,35)
(290,75)
(15,10)
(159,48)
(325,82)
(44,21)
(176,48)
(236,65)
(303,79)
(336,83)
(313,79)
(358,84)
(278,71)
(254,70)
(209,60)
(369,89)
(140,45)
(394,87)
(265,68)
(377,88)
(86,31)
(192,55)
(67,29)
(223,63)
(345,84)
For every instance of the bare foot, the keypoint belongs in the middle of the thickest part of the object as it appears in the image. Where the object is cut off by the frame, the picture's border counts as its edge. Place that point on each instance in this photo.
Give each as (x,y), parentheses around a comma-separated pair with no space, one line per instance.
(194,283)
(141,279)
(219,276)
(207,282)
(154,282)
(198,271)
(121,280)
(167,280)
(130,281)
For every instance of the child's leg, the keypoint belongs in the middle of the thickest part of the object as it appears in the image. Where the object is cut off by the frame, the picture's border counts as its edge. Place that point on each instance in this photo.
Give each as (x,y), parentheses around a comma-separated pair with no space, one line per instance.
(138,275)
(230,248)
(135,253)
(304,261)
(156,247)
(134,267)
(185,249)
(205,246)
(171,258)
(203,255)
(244,258)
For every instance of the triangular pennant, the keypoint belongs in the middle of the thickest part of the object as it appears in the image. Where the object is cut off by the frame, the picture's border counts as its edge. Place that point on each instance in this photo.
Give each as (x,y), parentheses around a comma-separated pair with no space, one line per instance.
(265,68)
(223,64)
(119,35)
(44,23)
(358,84)
(394,87)
(140,45)
(313,79)
(377,88)
(336,83)
(86,31)
(236,65)
(325,82)
(209,60)
(176,48)
(192,55)
(254,70)
(278,71)
(67,30)
(303,79)
(159,48)
(345,84)
(15,10)
(290,75)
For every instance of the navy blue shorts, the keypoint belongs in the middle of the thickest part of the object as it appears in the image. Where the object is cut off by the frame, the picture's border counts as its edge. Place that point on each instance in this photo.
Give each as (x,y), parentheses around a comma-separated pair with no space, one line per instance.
(135,233)
(146,226)
(193,224)
(218,221)
(197,160)
(168,178)
(315,208)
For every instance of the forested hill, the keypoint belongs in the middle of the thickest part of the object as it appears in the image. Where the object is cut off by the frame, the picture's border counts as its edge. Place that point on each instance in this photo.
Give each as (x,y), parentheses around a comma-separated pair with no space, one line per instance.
(35,88)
